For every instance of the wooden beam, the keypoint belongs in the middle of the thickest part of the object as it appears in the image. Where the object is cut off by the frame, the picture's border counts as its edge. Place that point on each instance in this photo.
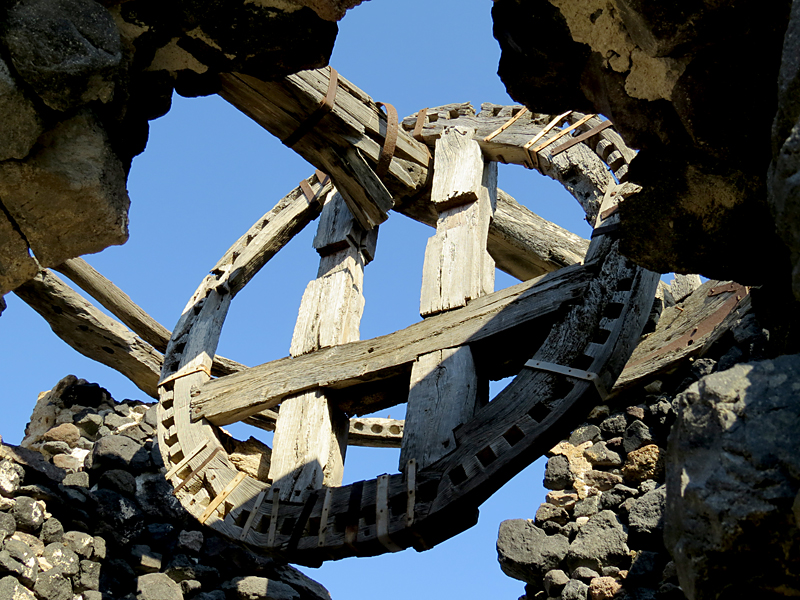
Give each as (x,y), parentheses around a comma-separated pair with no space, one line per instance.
(131,314)
(91,332)
(356,120)
(365,432)
(235,397)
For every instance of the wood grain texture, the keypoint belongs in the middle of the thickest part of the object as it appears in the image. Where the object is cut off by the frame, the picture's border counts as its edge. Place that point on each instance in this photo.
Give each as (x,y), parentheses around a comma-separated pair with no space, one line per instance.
(369,432)
(91,332)
(237,396)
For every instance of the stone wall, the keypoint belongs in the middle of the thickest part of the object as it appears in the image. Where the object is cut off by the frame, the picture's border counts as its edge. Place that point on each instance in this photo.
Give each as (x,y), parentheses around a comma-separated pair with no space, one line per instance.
(86,514)
(685,488)
(79,81)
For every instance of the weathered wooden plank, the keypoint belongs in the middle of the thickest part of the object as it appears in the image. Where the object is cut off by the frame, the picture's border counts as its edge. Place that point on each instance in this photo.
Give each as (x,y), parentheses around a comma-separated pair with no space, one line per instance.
(365,432)
(445,392)
(91,332)
(457,169)
(311,434)
(281,106)
(240,395)
(131,314)
(683,330)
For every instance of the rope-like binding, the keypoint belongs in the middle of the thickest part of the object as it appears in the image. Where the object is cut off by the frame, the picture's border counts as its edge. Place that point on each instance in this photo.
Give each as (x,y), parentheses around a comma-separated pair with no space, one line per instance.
(323,109)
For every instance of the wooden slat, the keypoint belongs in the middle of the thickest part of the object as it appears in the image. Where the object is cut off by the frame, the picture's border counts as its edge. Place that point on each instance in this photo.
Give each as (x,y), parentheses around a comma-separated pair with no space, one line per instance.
(235,397)
(214,504)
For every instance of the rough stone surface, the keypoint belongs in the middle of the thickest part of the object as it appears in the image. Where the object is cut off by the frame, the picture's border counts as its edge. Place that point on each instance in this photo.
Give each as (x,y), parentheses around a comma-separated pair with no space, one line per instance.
(61,557)
(28,513)
(645,463)
(84,181)
(554,582)
(599,543)
(557,475)
(119,451)
(157,586)
(22,125)
(11,477)
(261,588)
(733,471)
(526,552)
(11,589)
(574,590)
(603,588)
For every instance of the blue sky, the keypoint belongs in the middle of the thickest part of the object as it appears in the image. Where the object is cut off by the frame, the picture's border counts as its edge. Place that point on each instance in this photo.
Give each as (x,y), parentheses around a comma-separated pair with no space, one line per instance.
(209,172)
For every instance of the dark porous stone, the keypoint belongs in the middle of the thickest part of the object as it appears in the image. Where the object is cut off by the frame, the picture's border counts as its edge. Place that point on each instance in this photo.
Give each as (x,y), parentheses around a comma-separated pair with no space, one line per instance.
(28,513)
(570,530)
(157,586)
(646,518)
(661,413)
(526,552)
(119,481)
(255,588)
(54,447)
(11,589)
(732,474)
(53,585)
(18,558)
(88,422)
(584,574)
(554,582)
(38,491)
(548,512)
(551,527)
(117,578)
(99,550)
(575,590)
(637,435)
(154,495)
(731,358)
(114,421)
(614,425)
(79,542)
(62,558)
(599,455)
(617,495)
(159,533)
(144,560)
(646,568)
(89,577)
(182,568)
(557,474)
(190,540)
(600,542)
(586,507)
(79,479)
(117,517)
(610,571)
(307,587)
(669,591)
(120,452)
(151,416)
(83,393)
(584,433)
(702,367)
(136,433)
(68,51)
(7,526)
(213,595)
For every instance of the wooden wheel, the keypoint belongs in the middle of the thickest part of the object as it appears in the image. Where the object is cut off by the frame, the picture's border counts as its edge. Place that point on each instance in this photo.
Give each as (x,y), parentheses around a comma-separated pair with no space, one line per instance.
(580,325)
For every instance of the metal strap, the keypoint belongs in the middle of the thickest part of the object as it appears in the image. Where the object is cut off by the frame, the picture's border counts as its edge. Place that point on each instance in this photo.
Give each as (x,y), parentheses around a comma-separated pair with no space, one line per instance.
(212,507)
(569,371)
(300,525)
(252,516)
(353,513)
(198,449)
(323,109)
(389,142)
(190,371)
(382,514)
(420,123)
(505,125)
(605,230)
(411,490)
(202,466)
(323,518)
(581,138)
(533,160)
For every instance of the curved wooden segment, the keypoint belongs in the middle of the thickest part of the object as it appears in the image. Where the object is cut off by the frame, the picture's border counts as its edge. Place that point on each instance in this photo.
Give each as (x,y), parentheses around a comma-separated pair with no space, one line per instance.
(236,397)
(357,123)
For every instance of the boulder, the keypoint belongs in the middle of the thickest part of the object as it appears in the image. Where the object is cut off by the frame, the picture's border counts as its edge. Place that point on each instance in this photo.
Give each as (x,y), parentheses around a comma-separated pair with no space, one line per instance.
(28,513)
(526,552)
(22,124)
(599,543)
(11,589)
(733,472)
(261,588)
(76,169)
(557,474)
(119,452)
(11,477)
(645,463)
(157,586)
(646,519)
(61,557)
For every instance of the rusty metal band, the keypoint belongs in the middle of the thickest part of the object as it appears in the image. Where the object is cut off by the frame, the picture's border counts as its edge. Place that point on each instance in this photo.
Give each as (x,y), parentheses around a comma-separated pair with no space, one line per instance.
(300,524)
(581,138)
(389,142)
(194,472)
(506,125)
(323,109)
(353,513)
(417,133)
